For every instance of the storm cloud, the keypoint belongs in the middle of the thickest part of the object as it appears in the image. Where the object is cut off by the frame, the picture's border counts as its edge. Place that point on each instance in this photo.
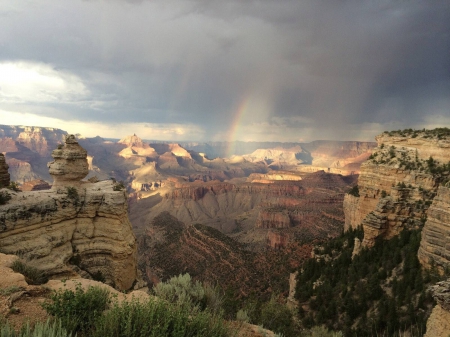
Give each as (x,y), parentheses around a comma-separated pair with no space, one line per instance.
(226,70)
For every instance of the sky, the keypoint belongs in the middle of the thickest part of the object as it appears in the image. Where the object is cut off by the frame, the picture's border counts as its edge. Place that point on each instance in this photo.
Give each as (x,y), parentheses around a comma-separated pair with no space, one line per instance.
(219,70)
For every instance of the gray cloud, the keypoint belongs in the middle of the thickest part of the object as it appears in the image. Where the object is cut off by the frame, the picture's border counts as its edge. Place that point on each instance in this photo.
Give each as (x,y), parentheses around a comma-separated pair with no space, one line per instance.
(317,65)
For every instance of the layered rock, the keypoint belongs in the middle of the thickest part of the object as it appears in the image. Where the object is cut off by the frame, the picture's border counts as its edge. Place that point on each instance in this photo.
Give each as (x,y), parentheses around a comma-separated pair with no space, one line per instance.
(67,233)
(435,243)
(4,175)
(426,144)
(397,185)
(78,228)
(70,163)
(438,324)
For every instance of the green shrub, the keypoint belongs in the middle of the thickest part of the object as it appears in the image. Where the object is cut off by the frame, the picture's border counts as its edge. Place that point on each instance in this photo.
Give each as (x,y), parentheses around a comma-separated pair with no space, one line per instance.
(119,186)
(242,316)
(4,197)
(158,318)
(47,329)
(78,310)
(9,290)
(98,276)
(277,317)
(32,275)
(354,191)
(72,193)
(14,186)
(183,291)
(322,331)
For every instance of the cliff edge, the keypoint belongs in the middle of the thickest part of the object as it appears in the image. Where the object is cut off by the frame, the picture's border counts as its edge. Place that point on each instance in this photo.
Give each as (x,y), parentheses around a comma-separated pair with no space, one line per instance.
(398,182)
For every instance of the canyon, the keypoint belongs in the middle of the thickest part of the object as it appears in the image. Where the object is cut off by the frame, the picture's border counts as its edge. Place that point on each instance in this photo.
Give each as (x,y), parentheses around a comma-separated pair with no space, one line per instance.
(224,221)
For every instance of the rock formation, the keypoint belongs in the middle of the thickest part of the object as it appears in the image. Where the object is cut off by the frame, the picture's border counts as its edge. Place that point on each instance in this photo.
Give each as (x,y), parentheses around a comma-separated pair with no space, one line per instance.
(397,184)
(70,163)
(77,228)
(135,147)
(438,324)
(435,244)
(4,175)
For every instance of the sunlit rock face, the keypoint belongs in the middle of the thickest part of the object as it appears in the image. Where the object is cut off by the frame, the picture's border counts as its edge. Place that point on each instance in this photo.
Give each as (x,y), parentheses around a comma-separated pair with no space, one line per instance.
(396,185)
(70,163)
(4,175)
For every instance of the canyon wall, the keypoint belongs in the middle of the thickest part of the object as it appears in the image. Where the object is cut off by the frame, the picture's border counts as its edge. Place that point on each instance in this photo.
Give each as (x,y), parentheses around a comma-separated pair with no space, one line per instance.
(397,184)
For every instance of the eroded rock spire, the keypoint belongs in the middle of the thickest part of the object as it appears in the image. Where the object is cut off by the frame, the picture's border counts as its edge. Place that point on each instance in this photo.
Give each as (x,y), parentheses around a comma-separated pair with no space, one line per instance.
(70,163)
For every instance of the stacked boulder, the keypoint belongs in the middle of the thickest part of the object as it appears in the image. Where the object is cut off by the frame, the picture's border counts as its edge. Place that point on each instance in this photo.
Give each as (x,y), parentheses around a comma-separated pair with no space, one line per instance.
(70,163)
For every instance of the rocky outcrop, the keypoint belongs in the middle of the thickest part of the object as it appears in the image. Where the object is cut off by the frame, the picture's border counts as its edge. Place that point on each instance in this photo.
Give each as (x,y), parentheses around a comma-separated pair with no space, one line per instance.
(397,184)
(77,228)
(67,233)
(135,147)
(435,244)
(351,212)
(438,324)
(4,175)
(428,144)
(70,163)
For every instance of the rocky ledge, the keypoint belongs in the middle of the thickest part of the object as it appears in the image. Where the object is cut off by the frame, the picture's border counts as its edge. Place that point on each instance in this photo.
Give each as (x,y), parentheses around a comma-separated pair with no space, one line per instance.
(75,229)
(398,182)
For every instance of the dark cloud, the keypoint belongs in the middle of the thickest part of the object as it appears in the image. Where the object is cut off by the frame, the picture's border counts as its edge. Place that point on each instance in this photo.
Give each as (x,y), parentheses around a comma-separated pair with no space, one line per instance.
(316,65)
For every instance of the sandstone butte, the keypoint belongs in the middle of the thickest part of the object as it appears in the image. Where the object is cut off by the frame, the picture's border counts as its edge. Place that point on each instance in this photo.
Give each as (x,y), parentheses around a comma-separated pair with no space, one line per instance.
(396,191)
(75,229)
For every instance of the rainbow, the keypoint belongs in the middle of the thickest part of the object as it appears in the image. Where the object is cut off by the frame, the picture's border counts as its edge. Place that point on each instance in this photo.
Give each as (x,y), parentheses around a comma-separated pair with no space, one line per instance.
(236,126)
